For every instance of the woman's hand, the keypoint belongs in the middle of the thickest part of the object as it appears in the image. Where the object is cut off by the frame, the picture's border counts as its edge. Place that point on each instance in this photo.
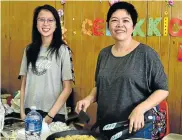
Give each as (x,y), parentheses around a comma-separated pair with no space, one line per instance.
(85,103)
(48,119)
(82,105)
(22,115)
(136,119)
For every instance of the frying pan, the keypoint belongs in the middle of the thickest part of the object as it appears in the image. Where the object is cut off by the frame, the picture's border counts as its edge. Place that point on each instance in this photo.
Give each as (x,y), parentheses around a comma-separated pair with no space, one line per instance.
(76,132)
(11,120)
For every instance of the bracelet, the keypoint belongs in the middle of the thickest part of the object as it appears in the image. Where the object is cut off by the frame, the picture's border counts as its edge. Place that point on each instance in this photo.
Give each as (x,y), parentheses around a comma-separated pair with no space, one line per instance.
(49,116)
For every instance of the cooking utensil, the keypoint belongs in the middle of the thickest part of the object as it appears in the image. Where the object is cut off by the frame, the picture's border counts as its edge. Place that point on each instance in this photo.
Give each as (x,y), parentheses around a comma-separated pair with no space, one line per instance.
(123,124)
(116,125)
(125,132)
(82,117)
(76,132)
(120,134)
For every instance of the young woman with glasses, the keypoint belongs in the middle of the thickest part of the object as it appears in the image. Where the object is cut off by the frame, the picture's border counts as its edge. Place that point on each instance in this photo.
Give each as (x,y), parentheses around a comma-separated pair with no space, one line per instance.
(46,68)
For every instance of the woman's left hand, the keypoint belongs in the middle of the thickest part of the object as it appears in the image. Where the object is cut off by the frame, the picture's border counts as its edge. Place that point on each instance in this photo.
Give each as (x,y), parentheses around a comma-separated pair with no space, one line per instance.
(48,120)
(136,119)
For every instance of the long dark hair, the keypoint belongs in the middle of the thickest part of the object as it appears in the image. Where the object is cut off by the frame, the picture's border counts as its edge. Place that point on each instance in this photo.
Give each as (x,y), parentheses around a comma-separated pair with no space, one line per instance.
(33,48)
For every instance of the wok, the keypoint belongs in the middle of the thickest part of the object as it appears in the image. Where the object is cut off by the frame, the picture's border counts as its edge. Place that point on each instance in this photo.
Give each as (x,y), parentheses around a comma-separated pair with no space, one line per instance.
(76,132)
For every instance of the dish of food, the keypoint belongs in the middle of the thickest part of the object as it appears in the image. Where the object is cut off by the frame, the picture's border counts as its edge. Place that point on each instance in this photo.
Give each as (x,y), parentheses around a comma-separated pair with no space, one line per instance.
(58,127)
(73,135)
(76,137)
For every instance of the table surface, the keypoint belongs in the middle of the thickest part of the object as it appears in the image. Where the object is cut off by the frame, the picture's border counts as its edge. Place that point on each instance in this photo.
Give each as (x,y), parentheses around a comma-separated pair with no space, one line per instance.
(12,130)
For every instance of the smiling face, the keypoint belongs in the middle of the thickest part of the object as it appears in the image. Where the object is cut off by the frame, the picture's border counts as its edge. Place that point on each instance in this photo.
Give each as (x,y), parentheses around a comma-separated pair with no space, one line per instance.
(46,23)
(121,25)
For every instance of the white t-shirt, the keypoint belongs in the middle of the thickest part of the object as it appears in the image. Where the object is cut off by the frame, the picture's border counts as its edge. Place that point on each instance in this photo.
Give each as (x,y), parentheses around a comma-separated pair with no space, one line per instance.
(44,85)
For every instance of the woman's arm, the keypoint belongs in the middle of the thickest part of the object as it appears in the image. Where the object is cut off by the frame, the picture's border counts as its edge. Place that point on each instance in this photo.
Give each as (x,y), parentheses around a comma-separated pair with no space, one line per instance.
(137,115)
(22,95)
(85,103)
(153,100)
(67,88)
(92,96)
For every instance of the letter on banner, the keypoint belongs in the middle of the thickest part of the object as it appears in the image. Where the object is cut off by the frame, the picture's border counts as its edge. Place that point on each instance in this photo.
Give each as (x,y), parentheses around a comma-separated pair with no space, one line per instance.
(175,22)
(165,31)
(137,30)
(97,27)
(152,28)
(87,31)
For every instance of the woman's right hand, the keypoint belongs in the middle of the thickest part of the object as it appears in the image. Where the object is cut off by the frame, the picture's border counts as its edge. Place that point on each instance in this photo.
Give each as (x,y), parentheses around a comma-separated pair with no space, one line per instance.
(23,116)
(82,105)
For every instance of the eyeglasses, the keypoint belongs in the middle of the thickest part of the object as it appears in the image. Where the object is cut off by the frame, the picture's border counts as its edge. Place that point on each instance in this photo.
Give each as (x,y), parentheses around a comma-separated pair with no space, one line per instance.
(43,20)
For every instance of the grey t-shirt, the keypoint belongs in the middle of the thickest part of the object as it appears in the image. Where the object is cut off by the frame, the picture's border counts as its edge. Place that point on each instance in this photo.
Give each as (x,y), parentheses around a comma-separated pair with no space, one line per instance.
(44,85)
(124,82)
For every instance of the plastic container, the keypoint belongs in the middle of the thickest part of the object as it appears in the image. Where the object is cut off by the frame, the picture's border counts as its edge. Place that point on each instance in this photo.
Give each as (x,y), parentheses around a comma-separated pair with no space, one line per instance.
(33,125)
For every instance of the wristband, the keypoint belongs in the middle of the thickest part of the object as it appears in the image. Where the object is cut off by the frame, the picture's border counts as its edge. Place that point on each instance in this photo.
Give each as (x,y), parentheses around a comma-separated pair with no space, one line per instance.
(49,116)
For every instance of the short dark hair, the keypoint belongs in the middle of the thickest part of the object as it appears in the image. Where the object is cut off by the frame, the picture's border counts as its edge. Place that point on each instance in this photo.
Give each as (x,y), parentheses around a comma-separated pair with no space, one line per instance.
(126,6)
